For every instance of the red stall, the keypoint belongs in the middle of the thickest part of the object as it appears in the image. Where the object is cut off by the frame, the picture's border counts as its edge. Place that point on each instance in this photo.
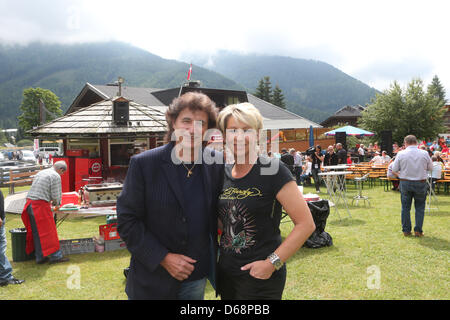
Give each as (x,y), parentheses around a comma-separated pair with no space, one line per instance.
(88,171)
(81,170)
(68,178)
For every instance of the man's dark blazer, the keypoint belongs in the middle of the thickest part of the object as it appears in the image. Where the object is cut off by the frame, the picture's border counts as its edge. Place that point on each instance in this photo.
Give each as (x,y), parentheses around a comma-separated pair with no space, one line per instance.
(288,160)
(152,221)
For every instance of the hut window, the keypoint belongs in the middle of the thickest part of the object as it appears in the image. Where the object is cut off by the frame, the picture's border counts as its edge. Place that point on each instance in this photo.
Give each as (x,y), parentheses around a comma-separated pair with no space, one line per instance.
(120,152)
(93,145)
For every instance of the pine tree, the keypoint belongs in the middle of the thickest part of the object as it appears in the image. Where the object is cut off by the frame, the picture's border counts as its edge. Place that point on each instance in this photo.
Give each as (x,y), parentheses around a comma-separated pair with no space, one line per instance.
(267,95)
(436,90)
(278,97)
(260,89)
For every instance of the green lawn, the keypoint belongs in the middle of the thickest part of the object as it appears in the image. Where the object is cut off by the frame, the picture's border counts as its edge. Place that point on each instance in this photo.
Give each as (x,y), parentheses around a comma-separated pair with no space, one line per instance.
(370,259)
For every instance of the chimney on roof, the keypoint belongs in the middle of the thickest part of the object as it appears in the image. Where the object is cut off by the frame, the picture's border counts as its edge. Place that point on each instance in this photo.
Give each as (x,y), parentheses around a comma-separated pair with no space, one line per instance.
(117,83)
(121,111)
(120,80)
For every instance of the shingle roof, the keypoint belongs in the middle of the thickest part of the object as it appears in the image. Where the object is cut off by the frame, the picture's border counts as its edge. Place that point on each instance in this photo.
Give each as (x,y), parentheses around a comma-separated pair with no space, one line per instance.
(97,119)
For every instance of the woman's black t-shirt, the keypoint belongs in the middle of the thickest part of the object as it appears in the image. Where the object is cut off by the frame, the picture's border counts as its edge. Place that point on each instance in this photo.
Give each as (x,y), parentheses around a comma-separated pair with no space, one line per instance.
(251,214)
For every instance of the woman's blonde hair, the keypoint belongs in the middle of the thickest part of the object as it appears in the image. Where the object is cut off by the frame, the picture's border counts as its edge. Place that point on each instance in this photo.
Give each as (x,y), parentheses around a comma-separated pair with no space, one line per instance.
(244,112)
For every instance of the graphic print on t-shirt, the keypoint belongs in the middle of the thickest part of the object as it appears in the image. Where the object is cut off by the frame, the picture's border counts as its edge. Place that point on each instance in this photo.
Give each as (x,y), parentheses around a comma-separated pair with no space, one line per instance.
(238,227)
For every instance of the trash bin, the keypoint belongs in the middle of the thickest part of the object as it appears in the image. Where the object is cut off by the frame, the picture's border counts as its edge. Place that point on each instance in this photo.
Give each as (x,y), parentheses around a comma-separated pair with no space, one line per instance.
(320,210)
(18,244)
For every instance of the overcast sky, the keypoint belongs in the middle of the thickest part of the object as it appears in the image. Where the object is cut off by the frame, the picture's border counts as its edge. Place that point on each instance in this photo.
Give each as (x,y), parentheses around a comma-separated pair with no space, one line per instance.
(376,42)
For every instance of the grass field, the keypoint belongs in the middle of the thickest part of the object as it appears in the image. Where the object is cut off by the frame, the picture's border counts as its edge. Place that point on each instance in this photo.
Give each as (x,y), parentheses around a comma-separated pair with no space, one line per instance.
(370,259)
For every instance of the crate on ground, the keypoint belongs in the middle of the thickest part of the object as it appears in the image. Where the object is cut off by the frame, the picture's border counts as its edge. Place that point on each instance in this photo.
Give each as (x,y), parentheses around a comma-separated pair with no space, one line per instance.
(109,231)
(74,246)
(115,244)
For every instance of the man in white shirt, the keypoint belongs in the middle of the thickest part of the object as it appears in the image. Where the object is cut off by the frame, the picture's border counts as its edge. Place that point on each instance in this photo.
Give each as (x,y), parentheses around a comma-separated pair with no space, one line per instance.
(377,160)
(386,158)
(436,173)
(411,166)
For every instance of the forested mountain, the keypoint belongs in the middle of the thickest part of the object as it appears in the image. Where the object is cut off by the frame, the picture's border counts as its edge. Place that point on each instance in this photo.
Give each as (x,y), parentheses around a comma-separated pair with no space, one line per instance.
(312,88)
(64,69)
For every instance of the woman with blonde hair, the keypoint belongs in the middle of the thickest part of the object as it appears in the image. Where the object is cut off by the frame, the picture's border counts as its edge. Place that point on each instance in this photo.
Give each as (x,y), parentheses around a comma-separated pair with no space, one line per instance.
(252,254)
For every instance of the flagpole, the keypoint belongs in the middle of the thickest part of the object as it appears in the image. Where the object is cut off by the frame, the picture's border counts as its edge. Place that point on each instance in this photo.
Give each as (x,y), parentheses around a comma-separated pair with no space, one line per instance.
(189,76)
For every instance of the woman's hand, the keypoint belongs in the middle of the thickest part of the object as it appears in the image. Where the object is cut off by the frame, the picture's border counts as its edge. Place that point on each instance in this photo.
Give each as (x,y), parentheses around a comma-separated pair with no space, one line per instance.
(261,269)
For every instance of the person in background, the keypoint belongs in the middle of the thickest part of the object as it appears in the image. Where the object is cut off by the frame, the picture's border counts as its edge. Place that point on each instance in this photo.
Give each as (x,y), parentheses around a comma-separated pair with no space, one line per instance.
(306,172)
(6,276)
(386,158)
(252,253)
(349,158)
(316,159)
(395,148)
(434,146)
(361,153)
(341,154)
(391,175)
(297,164)
(438,155)
(331,158)
(436,173)
(37,215)
(411,166)
(288,159)
(376,147)
(377,160)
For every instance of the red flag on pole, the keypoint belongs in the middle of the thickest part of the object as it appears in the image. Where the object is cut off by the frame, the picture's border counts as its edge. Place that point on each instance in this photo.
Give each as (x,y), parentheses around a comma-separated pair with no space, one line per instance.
(189,73)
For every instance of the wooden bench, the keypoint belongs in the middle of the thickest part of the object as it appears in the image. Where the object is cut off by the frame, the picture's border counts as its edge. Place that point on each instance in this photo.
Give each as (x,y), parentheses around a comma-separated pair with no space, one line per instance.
(445,180)
(387,182)
(22,178)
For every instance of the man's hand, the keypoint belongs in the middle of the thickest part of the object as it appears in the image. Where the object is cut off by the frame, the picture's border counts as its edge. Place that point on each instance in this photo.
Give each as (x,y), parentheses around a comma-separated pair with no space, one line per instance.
(179,266)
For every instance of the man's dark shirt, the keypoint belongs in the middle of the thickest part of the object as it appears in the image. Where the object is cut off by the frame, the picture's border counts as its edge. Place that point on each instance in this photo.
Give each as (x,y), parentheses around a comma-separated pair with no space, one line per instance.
(330,159)
(288,160)
(341,156)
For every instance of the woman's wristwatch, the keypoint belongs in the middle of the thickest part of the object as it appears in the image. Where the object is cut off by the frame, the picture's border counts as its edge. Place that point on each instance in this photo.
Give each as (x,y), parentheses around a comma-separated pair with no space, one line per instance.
(275,260)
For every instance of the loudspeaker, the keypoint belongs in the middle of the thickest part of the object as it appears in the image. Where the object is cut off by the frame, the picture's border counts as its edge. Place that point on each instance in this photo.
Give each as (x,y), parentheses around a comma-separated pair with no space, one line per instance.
(341,137)
(121,111)
(386,141)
